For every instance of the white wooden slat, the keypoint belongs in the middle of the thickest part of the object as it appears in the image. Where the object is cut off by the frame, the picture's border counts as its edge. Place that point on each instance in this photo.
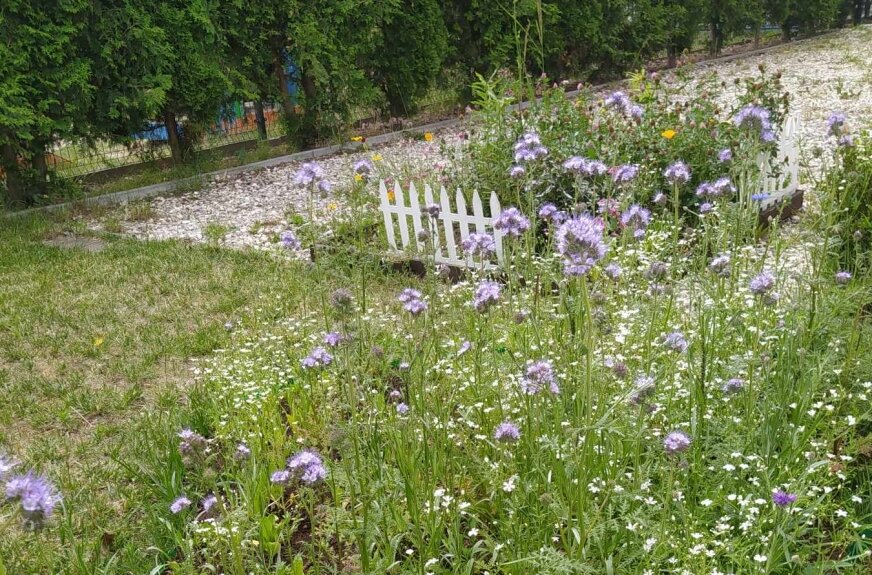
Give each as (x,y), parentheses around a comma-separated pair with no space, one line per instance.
(403,213)
(463,220)
(415,207)
(447,224)
(432,225)
(496,210)
(385,206)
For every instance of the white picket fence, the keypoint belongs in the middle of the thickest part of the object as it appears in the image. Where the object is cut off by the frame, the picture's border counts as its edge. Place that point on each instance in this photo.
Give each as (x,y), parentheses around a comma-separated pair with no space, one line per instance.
(454,222)
(445,238)
(782,169)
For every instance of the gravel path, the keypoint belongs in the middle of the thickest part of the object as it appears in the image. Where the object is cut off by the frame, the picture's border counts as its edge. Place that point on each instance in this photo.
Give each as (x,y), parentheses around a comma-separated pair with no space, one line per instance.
(823,75)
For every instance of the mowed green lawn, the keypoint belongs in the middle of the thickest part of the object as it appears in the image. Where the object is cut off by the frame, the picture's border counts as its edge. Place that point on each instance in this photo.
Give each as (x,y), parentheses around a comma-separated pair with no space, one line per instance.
(96,353)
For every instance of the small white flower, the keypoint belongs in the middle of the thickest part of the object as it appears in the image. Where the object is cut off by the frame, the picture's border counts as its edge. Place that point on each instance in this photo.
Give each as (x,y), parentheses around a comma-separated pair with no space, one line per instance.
(760,558)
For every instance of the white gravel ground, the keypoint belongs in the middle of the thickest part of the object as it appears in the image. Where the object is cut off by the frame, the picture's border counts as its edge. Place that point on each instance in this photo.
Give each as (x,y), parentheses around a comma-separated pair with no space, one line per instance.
(823,75)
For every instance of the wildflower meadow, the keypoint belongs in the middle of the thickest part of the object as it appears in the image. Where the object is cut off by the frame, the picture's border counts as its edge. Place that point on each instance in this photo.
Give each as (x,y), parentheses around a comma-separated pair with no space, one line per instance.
(655,380)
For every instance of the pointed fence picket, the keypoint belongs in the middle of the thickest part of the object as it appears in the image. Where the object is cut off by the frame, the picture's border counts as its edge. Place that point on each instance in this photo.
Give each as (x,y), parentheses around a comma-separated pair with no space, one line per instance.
(455,223)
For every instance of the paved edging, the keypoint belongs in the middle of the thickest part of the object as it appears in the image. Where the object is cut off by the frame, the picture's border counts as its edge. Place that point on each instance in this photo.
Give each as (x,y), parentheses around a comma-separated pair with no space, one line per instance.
(167,187)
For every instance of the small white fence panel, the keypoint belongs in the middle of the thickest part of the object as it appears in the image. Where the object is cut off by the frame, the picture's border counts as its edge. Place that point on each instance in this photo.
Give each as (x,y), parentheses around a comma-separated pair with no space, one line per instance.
(781,171)
(452,226)
(447,231)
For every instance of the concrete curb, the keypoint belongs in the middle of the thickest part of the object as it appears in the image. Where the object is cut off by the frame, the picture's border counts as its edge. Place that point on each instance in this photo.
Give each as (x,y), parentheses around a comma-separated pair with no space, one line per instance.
(165,187)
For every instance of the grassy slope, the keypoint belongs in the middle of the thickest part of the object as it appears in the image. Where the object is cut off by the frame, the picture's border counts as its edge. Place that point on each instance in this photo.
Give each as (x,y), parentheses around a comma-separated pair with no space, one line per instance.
(85,411)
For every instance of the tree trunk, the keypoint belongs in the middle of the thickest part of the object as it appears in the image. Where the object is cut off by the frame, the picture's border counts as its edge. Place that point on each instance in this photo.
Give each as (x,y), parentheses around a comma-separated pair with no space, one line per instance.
(37,162)
(785,32)
(16,190)
(868,9)
(173,137)
(284,91)
(858,12)
(309,131)
(671,57)
(261,119)
(757,37)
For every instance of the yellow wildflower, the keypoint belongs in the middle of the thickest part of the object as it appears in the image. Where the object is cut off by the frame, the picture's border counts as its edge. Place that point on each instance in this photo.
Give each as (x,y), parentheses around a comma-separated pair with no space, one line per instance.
(391,195)
(357,139)
(377,158)
(358,178)
(668,134)
(428,136)
(332,206)
(98,341)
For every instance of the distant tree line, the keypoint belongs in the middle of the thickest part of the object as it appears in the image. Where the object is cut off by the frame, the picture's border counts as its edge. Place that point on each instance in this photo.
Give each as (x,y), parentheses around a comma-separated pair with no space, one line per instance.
(88,70)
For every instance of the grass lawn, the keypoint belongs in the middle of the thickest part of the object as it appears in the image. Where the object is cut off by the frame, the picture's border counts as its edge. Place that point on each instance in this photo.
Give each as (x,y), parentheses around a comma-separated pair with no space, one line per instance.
(96,349)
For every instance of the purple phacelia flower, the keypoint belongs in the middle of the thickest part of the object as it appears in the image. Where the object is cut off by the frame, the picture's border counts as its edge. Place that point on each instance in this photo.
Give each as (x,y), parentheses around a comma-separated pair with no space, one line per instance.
(416,307)
(580,242)
(36,495)
(318,358)
(625,174)
(705,208)
(755,118)
(333,338)
(643,387)
(289,240)
(512,222)
(191,443)
(307,467)
(720,265)
(409,294)
(242,452)
(636,218)
(783,498)
(363,167)
(613,271)
(677,173)
(621,102)
(843,277)
(402,409)
(517,172)
(529,148)
(432,210)
(538,376)
(478,244)
(281,477)
(507,432)
(676,442)
(762,196)
(733,385)
(836,123)
(845,141)
(486,294)
(309,174)
(762,283)
(180,504)
(660,199)
(725,156)
(675,341)
(209,503)
(341,299)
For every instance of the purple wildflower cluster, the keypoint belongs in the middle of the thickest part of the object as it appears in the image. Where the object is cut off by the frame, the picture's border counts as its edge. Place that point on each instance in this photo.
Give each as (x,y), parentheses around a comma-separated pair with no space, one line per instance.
(341,300)
(512,222)
(836,124)
(289,240)
(318,358)
(613,271)
(585,167)
(843,278)
(621,102)
(305,466)
(636,218)
(412,301)
(364,168)
(516,172)
(675,341)
(643,388)
(538,376)
(720,265)
(580,242)
(676,442)
(677,173)
(725,156)
(507,432)
(312,175)
(762,283)
(529,148)
(624,174)
(35,494)
(550,213)
(191,444)
(720,188)
(179,504)
(486,294)
(733,385)
(333,338)
(432,210)
(478,244)
(756,118)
